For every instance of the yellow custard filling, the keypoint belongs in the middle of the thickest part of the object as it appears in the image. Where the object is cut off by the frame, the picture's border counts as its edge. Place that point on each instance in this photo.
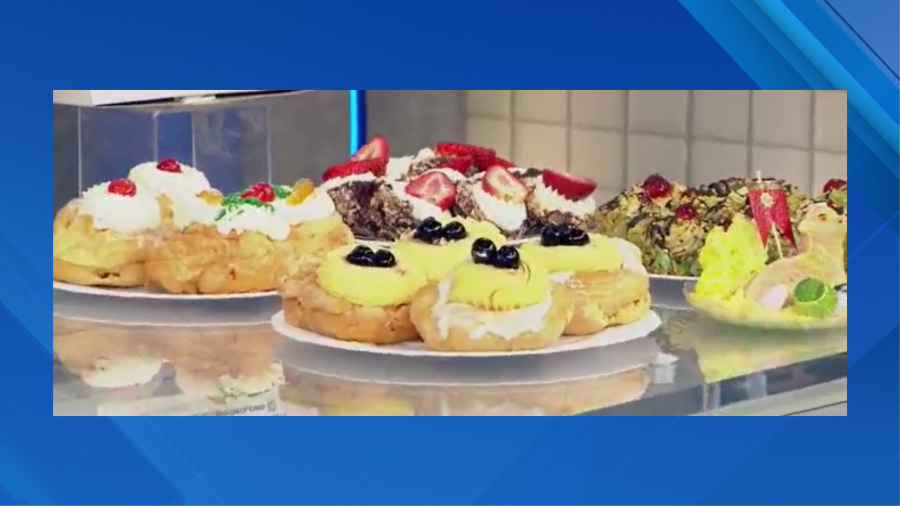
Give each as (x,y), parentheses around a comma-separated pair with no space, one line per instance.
(601,254)
(369,286)
(436,261)
(493,289)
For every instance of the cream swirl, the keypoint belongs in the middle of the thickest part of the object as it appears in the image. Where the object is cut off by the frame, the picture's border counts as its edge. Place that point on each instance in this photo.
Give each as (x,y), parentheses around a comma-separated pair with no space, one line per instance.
(398,167)
(119,213)
(508,216)
(249,218)
(340,181)
(189,210)
(479,322)
(421,209)
(188,182)
(551,200)
(317,206)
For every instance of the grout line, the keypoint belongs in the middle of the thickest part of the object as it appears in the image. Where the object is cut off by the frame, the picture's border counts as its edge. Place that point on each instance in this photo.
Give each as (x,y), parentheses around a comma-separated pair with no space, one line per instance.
(813,104)
(80,160)
(690,138)
(626,133)
(569,132)
(750,136)
(512,125)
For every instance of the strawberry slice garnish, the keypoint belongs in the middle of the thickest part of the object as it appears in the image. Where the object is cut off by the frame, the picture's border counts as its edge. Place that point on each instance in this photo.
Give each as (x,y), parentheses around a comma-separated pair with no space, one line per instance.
(481,157)
(500,162)
(460,164)
(376,167)
(435,188)
(502,184)
(376,148)
(569,186)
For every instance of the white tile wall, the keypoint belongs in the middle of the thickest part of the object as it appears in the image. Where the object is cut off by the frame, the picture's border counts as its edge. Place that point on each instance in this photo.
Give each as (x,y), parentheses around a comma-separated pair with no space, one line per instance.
(618,137)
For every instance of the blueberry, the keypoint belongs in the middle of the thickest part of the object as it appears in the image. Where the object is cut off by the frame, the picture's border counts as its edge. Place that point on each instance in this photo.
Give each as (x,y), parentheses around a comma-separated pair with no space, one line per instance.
(383,259)
(484,251)
(454,231)
(428,231)
(576,237)
(507,258)
(552,235)
(361,256)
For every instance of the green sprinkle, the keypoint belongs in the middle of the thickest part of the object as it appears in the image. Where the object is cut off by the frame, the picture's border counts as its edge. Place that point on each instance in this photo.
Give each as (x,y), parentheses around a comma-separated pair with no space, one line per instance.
(282,192)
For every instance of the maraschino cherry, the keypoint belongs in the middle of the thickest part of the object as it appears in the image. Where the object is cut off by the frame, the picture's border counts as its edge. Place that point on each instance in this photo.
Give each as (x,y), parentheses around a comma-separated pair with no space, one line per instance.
(656,187)
(686,212)
(123,187)
(834,184)
(169,165)
(262,192)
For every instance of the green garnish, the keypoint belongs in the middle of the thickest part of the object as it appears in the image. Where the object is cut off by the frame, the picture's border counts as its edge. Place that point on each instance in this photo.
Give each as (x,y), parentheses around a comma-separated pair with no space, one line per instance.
(815,298)
(282,192)
(235,204)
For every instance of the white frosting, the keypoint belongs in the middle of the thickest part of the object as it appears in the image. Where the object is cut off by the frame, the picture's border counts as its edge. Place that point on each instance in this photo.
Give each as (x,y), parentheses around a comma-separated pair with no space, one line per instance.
(339,181)
(122,373)
(317,206)
(421,209)
(125,215)
(775,298)
(188,182)
(479,322)
(255,219)
(189,210)
(453,175)
(561,277)
(551,200)
(398,167)
(508,216)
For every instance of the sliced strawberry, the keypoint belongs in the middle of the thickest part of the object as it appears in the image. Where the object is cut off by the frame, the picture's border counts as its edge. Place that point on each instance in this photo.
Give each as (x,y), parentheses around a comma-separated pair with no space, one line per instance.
(460,164)
(433,187)
(502,184)
(481,157)
(500,162)
(569,186)
(376,167)
(376,148)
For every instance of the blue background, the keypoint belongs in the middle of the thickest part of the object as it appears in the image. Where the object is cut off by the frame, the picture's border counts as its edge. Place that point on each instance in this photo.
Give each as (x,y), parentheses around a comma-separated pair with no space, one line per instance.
(638,44)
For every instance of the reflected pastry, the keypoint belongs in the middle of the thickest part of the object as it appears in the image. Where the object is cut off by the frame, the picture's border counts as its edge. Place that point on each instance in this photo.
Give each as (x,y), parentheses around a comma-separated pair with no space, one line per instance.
(400,206)
(497,197)
(101,239)
(239,244)
(109,357)
(497,301)
(351,187)
(437,248)
(169,180)
(561,199)
(608,283)
(355,294)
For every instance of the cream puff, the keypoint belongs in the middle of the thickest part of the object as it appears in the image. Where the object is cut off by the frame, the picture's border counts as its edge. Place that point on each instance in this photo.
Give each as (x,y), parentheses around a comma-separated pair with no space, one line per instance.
(169,180)
(496,301)
(355,294)
(497,197)
(605,276)
(437,248)
(561,199)
(101,239)
(316,226)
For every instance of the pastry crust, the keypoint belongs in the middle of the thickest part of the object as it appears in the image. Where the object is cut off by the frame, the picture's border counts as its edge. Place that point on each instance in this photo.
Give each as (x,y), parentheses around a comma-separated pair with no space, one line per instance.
(316,238)
(308,306)
(459,339)
(604,299)
(83,255)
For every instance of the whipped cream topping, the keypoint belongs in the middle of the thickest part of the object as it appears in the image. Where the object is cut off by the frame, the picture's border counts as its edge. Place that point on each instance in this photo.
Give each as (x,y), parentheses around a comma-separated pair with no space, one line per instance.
(421,209)
(398,167)
(317,206)
(508,216)
(245,386)
(189,210)
(340,181)
(479,322)
(122,373)
(118,213)
(561,277)
(551,200)
(188,182)
(262,219)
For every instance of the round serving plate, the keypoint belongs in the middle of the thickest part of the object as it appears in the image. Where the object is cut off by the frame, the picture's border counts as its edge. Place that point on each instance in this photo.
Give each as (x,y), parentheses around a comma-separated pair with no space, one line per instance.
(608,337)
(667,292)
(145,308)
(722,315)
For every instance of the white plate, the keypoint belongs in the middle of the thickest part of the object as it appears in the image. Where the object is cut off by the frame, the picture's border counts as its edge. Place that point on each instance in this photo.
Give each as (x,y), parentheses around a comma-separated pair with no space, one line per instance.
(144,293)
(666,277)
(617,335)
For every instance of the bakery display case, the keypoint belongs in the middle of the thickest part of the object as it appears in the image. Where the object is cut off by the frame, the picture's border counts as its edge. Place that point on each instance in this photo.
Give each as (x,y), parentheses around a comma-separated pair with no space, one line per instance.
(221,257)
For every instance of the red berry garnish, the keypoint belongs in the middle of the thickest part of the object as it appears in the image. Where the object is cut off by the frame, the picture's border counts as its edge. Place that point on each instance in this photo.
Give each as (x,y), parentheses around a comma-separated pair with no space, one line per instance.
(262,192)
(169,165)
(834,184)
(686,212)
(657,187)
(123,187)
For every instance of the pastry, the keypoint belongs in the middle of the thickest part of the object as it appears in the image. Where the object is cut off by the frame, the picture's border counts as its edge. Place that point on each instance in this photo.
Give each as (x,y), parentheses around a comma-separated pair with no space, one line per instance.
(238,244)
(497,197)
(437,248)
(351,187)
(168,180)
(400,206)
(561,199)
(355,294)
(410,167)
(316,227)
(101,239)
(108,357)
(497,301)
(608,283)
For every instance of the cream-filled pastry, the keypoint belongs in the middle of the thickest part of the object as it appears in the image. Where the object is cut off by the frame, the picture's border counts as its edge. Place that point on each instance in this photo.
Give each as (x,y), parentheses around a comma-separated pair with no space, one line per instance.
(438,247)
(497,197)
(561,199)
